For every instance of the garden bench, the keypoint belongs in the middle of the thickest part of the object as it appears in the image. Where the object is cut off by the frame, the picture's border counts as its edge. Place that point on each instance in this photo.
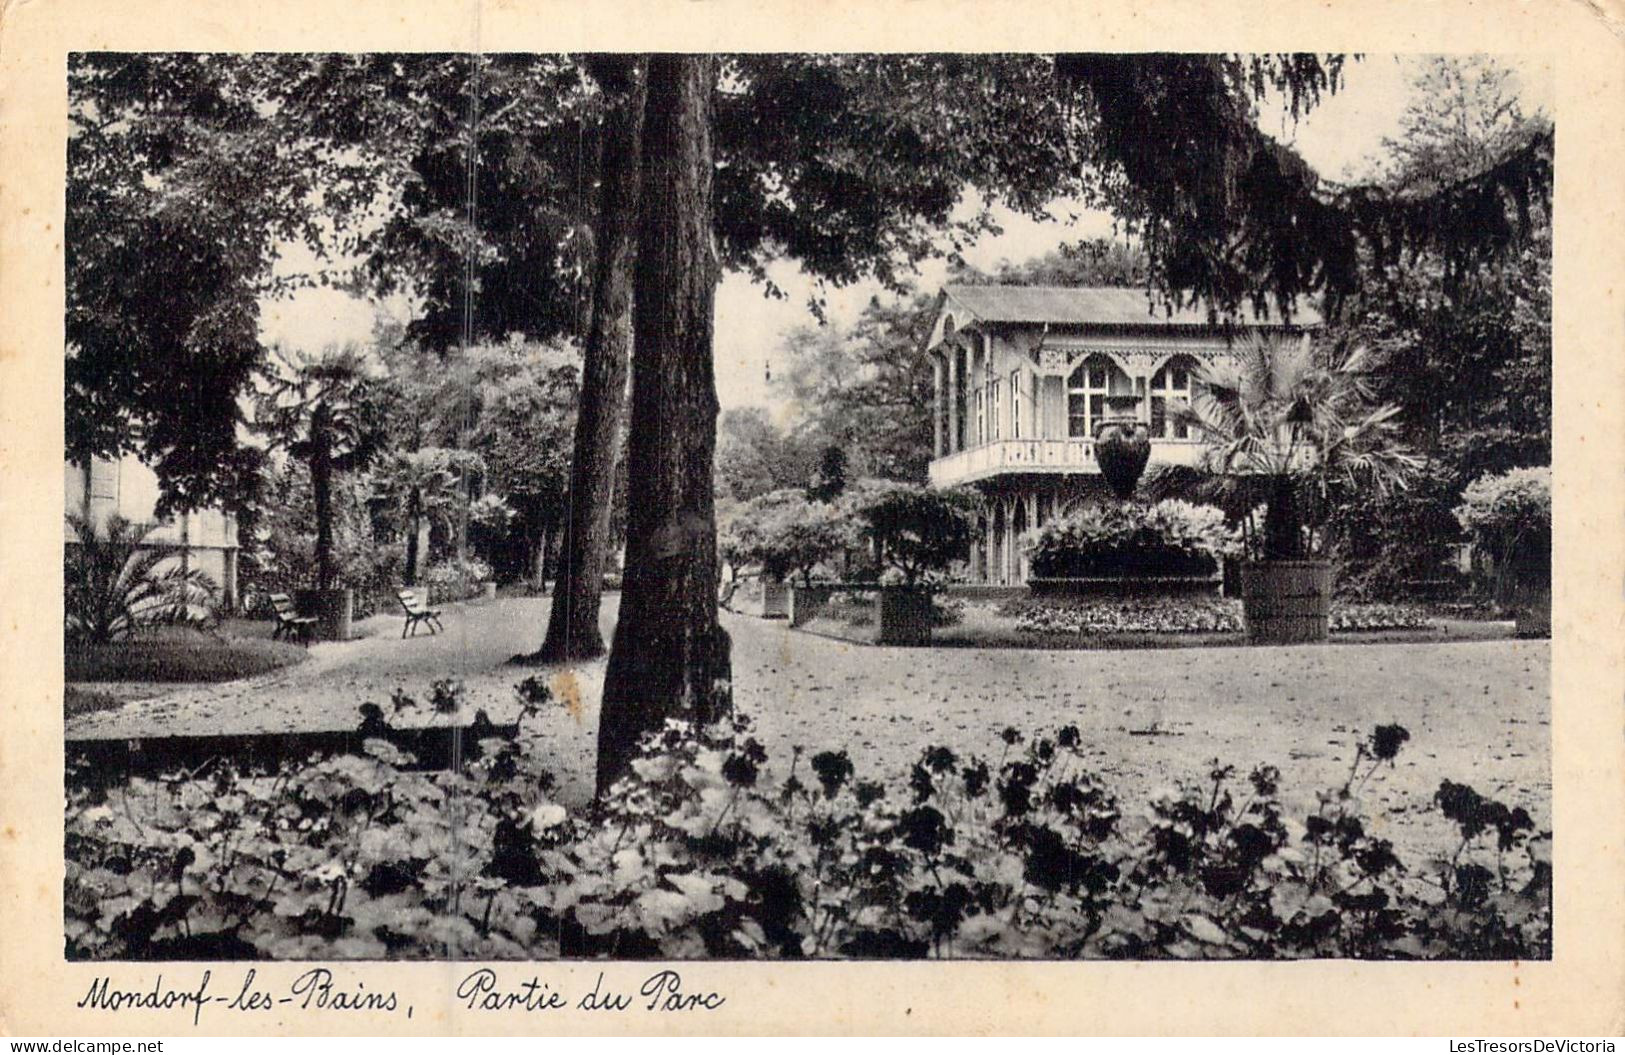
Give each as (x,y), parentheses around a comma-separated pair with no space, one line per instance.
(418,612)
(289,623)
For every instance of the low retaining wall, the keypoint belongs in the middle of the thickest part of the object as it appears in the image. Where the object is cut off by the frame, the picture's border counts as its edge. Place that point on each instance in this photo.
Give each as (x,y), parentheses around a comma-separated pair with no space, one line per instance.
(902,616)
(769,600)
(905,617)
(112,758)
(807,601)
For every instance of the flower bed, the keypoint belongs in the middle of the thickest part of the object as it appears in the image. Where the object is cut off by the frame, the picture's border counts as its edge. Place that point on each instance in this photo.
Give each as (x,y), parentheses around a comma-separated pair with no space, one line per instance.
(1185,616)
(702,852)
(1128,616)
(1356,617)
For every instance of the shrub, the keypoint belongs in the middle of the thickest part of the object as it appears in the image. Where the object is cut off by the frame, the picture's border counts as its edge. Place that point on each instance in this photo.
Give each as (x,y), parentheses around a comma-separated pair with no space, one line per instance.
(785,533)
(1510,515)
(456,580)
(915,530)
(702,852)
(117,579)
(1123,540)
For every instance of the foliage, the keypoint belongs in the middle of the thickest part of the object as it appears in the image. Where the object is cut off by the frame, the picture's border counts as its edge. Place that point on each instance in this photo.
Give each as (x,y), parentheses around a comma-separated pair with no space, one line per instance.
(327,412)
(490,512)
(1298,419)
(1123,539)
(171,159)
(428,483)
(702,851)
(755,456)
(1088,262)
(1465,352)
(279,548)
(853,165)
(456,580)
(915,530)
(1510,515)
(786,533)
(1242,217)
(829,481)
(118,578)
(78,701)
(867,390)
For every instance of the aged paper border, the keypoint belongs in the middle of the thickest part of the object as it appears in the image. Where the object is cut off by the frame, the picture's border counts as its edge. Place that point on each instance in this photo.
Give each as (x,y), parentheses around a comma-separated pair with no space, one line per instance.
(1581,992)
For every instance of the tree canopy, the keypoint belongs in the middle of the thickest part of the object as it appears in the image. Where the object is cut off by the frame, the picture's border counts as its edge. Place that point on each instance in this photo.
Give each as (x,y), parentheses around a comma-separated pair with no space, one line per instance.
(468,179)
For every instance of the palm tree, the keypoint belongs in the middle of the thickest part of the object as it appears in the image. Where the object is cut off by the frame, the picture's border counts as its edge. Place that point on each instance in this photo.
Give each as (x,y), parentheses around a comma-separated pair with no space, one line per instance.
(324,413)
(115,582)
(427,482)
(1299,421)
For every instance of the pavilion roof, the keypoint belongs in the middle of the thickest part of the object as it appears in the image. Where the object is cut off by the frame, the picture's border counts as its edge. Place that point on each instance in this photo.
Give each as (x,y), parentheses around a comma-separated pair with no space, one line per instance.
(1094,306)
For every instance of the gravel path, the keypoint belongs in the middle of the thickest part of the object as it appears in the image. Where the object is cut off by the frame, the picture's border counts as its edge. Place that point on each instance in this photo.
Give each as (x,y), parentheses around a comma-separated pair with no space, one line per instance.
(1477,711)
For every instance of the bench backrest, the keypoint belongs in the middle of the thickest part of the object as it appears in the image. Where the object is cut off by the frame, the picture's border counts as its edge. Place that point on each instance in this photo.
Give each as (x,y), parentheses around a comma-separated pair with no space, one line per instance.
(412,601)
(282,605)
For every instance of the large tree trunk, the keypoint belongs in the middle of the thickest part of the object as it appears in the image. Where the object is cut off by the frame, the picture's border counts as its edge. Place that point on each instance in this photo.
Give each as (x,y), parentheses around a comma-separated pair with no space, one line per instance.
(572,629)
(670,656)
(414,520)
(321,484)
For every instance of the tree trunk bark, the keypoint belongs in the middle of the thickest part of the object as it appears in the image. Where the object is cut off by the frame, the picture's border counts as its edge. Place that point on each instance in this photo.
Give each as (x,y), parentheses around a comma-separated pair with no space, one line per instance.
(572,628)
(670,656)
(321,484)
(414,519)
(1283,538)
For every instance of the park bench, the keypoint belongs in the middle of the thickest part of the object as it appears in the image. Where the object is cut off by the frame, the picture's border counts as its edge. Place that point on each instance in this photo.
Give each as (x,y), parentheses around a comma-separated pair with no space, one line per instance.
(289,623)
(417,612)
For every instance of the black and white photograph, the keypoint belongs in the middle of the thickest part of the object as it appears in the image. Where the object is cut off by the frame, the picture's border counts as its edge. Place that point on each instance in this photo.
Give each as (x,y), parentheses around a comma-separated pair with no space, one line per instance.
(807,506)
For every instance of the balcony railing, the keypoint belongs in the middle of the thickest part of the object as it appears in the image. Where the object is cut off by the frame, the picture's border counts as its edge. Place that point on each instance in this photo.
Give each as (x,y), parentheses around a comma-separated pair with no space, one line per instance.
(1044,456)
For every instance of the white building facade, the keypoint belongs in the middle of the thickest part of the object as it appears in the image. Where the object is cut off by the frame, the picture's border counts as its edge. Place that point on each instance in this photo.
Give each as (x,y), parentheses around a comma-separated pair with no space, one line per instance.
(1025,378)
(206,539)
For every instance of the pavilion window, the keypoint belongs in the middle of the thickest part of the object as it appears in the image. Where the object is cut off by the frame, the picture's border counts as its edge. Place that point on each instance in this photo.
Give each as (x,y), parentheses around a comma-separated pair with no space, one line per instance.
(1170,390)
(1086,396)
(1015,404)
(993,407)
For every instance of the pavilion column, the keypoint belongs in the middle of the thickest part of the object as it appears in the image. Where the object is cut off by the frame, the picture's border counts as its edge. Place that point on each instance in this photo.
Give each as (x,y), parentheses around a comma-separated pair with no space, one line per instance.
(938,418)
(954,399)
(1011,553)
(1032,526)
(975,547)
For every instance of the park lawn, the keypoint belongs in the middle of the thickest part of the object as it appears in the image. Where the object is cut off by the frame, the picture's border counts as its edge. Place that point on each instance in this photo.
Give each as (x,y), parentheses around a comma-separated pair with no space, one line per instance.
(178,654)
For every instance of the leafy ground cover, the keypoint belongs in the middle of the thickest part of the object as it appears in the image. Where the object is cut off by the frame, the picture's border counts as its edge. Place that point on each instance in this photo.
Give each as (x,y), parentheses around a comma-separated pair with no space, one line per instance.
(178,654)
(1201,615)
(1022,852)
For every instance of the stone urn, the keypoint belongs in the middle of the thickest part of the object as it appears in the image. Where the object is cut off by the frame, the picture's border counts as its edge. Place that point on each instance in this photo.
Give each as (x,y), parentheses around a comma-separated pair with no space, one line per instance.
(1122,449)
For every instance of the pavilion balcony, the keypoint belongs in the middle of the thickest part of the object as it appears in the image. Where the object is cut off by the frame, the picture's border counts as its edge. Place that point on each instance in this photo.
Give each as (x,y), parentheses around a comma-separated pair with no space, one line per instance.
(1058,457)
